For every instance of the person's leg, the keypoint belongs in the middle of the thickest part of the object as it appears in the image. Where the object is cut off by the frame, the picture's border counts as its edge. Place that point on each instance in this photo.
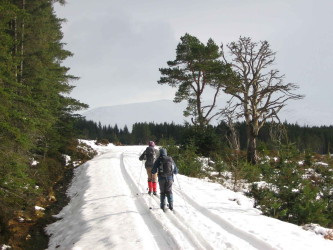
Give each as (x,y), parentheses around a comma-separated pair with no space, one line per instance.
(154,184)
(169,194)
(161,183)
(150,184)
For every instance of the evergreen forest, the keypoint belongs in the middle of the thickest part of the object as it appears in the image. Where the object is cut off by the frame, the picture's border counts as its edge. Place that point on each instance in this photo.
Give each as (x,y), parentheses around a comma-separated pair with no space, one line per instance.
(214,138)
(36,113)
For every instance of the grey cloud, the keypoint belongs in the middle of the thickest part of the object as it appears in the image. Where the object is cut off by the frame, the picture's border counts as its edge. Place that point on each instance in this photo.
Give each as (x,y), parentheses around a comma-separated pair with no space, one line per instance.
(119,45)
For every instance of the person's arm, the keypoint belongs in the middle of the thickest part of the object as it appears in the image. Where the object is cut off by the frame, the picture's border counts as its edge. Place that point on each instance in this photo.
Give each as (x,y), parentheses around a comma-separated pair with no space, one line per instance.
(175,169)
(157,153)
(143,156)
(155,167)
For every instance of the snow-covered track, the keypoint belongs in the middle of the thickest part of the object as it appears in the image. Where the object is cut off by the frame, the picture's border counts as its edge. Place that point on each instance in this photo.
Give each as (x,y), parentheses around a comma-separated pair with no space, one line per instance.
(154,225)
(192,238)
(109,209)
(248,237)
(192,234)
(195,220)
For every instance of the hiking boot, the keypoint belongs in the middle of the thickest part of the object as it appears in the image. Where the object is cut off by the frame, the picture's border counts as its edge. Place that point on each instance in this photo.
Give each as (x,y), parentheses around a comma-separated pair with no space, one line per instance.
(170,199)
(154,193)
(150,187)
(154,187)
(171,207)
(162,203)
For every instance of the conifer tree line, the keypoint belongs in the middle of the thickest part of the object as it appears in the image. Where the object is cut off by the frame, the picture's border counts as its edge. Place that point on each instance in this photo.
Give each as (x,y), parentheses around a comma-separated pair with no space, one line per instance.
(213,139)
(36,116)
(140,135)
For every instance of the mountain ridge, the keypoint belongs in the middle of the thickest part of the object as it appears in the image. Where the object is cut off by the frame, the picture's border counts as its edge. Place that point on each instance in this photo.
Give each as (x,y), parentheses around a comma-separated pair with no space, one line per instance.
(160,111)
(127,114)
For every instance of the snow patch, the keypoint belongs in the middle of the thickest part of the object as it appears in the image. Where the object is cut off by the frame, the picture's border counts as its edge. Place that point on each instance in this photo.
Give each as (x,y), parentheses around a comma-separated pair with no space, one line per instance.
(317,229)
(4,247)
(38,208)
(67,159)
(321,164)
(33,162)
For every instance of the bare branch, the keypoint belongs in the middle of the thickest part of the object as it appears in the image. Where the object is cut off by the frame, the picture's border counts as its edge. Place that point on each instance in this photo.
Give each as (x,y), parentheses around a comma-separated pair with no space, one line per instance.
(262,92)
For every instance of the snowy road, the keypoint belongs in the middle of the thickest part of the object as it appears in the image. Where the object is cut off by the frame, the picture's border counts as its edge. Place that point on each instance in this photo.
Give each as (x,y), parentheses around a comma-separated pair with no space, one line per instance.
(109,209)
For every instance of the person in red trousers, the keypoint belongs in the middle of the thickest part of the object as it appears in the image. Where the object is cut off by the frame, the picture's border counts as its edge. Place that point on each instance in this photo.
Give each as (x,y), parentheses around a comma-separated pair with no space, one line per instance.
(150,155)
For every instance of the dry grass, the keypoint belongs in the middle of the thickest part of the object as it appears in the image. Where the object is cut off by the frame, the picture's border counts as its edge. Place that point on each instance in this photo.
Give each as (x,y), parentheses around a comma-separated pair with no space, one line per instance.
(329,235)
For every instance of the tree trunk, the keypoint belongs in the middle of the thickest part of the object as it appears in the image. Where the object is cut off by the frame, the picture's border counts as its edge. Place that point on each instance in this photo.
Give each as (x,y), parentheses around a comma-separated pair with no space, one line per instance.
(14,28)
(200,116)
(22,44)
(233,137)
(252,156)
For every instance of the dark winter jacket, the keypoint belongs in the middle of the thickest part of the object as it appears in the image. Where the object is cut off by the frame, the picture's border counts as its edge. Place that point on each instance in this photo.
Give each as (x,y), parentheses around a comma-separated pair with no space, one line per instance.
(144,157)
(163,154)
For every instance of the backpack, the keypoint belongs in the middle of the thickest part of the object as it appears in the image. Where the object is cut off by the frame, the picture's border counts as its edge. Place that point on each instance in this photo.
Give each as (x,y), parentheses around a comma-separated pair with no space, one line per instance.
(166,167)
(150,156)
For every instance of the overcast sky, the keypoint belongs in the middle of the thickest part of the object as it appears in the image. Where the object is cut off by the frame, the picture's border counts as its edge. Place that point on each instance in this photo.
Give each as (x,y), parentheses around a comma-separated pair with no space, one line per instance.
(119,45)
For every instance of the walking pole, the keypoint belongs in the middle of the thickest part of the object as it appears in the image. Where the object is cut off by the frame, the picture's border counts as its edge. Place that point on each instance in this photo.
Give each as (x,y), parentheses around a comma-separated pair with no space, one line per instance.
(181,191)
(150,202)
(140,173)
(140,178)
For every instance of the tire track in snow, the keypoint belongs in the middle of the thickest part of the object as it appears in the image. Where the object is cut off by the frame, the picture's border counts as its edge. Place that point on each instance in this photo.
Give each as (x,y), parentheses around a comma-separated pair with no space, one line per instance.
(199,238)
(194,238)
(185,227)
(246,236)
(226,226)
(164,238)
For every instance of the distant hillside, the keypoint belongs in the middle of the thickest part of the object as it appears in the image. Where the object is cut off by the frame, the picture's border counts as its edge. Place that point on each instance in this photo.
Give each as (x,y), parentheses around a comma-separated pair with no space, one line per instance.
(128,114)
(161,111)
(305,113)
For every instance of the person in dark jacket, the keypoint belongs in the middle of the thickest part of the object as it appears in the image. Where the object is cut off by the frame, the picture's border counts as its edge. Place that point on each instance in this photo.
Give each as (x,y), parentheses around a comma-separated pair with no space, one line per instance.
(150,155)
(166,168)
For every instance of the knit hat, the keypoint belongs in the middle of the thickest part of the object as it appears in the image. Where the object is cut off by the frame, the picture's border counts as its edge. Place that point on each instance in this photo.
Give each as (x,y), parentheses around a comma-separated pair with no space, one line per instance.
(151,144)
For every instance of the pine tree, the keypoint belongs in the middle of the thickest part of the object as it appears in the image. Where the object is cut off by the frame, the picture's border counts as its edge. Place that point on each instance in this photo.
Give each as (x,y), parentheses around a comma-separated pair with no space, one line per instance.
(35,116)
(196,69)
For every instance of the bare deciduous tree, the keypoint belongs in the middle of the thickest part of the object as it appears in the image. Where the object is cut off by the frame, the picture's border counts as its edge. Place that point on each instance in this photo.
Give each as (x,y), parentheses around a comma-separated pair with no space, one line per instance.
(260,93)
(232,136)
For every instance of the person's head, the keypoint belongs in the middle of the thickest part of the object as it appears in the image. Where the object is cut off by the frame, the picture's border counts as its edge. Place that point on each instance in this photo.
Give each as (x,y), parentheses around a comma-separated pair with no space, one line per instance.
(151,144)
(163,152)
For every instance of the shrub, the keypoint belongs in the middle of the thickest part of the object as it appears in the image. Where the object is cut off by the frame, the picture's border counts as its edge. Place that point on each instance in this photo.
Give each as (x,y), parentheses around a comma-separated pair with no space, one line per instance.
(103,142)
(171,147)
(188,162)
